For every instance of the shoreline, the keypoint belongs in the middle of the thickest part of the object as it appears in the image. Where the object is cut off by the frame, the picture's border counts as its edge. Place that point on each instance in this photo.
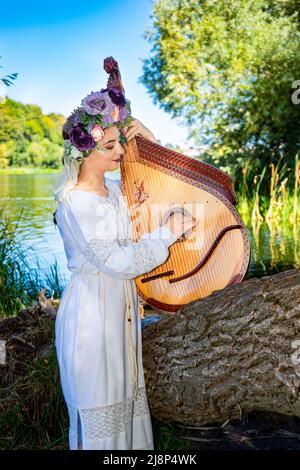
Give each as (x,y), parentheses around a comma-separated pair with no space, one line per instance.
(28,171)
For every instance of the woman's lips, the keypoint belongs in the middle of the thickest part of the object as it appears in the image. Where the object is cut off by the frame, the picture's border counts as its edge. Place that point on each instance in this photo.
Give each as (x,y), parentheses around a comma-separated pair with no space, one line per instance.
(118,159)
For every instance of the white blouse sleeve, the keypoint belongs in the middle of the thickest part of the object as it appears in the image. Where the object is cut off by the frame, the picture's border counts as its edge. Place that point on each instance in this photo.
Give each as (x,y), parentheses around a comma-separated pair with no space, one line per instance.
(94,227)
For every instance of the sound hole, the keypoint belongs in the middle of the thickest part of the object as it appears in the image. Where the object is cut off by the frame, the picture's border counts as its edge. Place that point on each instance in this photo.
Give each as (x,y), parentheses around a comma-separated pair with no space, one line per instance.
(174,210)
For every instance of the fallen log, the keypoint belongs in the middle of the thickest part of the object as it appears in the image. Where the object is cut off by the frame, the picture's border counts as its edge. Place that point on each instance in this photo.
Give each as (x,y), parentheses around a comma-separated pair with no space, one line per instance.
(224,356)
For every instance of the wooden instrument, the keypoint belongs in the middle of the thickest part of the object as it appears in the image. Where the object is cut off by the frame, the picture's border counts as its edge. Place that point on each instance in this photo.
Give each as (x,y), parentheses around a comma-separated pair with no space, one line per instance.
(156,182)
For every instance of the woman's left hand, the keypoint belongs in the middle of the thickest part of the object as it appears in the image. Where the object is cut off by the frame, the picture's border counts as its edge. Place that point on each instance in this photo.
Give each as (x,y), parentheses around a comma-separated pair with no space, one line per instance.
(137,128)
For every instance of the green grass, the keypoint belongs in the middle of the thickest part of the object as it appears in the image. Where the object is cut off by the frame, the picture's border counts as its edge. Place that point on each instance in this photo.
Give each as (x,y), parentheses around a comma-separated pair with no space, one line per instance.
(166,437)
(33,413)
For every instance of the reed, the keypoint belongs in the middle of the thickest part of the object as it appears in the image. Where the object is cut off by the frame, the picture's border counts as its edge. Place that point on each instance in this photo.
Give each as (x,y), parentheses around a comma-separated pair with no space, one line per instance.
(272,218)
(19,281)
(296,208)
(256,216)
(281,206)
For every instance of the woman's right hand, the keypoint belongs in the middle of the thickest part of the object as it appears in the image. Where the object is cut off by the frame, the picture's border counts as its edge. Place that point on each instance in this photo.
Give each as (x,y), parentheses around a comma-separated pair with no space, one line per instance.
(179,223)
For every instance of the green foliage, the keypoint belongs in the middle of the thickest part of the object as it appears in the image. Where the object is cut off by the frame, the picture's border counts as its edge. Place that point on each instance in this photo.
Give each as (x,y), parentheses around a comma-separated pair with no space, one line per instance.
(226,68)
(3,155)
(28,137)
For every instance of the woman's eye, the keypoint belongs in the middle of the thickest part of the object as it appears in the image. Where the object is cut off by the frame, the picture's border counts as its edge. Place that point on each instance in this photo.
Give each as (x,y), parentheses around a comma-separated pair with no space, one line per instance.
(109,148)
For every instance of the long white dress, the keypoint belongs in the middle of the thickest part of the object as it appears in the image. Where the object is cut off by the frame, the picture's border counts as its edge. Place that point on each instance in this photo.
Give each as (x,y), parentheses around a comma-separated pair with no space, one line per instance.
(106,410)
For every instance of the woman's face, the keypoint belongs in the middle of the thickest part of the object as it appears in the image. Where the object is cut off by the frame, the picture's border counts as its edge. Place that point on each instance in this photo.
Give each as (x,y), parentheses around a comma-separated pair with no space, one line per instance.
(108,159)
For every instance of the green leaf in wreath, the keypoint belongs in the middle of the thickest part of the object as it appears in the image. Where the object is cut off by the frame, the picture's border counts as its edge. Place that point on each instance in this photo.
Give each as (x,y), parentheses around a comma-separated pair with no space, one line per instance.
(123,139)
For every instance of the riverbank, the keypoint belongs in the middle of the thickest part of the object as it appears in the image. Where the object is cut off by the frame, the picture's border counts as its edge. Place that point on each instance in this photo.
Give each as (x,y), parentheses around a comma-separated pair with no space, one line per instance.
(28,171)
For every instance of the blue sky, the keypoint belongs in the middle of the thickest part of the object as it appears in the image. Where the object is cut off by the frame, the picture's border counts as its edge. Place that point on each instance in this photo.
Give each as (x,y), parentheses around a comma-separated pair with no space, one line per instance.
(58,49)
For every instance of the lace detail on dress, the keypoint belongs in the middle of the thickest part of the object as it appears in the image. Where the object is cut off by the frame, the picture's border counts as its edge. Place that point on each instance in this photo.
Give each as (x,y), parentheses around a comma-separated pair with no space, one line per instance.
(98,250)
(140,405)
(144,258)
(108,421)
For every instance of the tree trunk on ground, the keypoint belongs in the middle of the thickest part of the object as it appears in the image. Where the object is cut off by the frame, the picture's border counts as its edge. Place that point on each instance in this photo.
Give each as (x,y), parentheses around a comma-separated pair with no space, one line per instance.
(221,357)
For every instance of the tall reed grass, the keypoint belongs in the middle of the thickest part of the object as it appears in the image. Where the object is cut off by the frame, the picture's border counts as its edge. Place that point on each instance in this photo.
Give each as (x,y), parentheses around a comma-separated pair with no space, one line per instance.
(281,206)
(19,281)
(273,218)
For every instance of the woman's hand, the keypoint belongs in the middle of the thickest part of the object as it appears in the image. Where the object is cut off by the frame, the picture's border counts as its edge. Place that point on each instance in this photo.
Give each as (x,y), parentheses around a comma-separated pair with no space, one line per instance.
(179,223)
(137,128)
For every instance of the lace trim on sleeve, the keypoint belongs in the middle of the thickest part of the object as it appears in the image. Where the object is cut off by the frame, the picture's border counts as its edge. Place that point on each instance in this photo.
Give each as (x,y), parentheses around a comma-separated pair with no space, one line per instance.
(98,251)
(144,258)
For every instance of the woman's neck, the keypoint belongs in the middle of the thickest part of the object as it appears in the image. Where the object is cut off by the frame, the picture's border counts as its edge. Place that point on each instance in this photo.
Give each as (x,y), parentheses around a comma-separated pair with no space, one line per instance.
(92,182)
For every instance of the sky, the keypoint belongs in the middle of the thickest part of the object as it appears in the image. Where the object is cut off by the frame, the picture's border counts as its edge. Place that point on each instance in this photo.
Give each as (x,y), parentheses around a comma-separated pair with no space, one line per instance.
(58,49)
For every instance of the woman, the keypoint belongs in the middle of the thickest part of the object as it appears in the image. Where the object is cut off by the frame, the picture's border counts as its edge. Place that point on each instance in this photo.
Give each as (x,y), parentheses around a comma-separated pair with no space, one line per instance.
(98,340)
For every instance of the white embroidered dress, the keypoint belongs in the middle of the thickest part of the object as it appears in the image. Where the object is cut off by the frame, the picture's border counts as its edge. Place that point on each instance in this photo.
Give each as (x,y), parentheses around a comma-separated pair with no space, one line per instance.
(106,411)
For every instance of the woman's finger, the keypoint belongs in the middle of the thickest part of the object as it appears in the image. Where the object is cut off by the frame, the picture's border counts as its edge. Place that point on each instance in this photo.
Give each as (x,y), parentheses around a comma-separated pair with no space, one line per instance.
(125,130)
(132,130)
(131,134)
(128,131)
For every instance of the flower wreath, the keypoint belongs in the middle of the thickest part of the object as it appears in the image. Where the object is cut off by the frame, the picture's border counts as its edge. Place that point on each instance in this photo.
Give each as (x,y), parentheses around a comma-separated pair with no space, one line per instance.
(84,128)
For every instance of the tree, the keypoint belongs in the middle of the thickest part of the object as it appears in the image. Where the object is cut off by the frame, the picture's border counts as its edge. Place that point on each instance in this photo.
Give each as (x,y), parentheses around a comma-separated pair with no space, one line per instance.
(33,138)
(226,68)
(4,156)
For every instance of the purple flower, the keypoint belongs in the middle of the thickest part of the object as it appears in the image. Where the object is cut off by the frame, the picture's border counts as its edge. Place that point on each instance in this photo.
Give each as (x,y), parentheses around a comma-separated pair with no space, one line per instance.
(65,134)
(75,117)
(107,119)
(80,139)
(123,113)
(97,103)
(117,96)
